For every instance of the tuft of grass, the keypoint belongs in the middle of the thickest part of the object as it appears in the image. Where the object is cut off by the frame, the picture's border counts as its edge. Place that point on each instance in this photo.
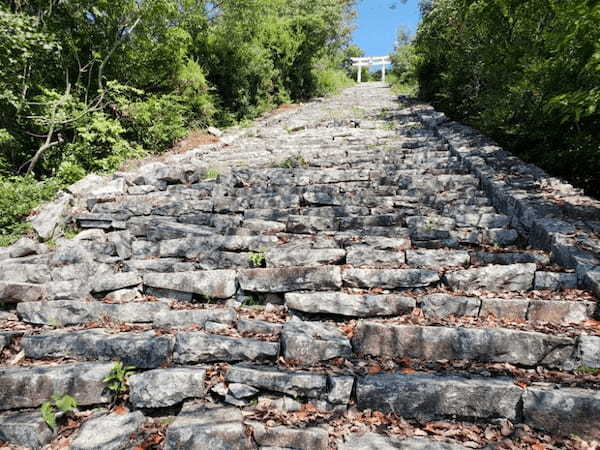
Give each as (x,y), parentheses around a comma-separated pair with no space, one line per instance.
(257,259)
(211,174)
(293,162)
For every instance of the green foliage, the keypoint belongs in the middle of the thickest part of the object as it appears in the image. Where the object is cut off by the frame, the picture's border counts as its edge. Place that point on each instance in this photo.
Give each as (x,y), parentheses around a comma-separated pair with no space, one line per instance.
(256,259)
(18,197)
(63,403)
(527,73)
(211,174)
(293,162)
(116,381)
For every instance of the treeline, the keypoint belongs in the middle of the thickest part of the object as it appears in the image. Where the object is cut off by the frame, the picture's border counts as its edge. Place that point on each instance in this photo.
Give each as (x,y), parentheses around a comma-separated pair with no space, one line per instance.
(87,84)
(525,72)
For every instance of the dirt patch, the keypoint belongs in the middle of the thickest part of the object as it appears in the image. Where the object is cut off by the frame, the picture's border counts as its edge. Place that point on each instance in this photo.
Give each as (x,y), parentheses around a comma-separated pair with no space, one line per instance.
(195,138)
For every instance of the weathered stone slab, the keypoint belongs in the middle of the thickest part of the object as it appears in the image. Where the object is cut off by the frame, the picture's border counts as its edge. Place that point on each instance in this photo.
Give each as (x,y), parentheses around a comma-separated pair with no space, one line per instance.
(563,411)
(258,327)
(340,389)
(30,386)
(63,312)
(560,311)
(187,317)
(350,305)
(212,284)
(25,273)
(389,278)
(591,281)
(21,292)
(311,224)
(109,432)
(482,258)
(290,279)
(311,342)
(193,347)
(114,281)
(26,429)
(478,344)
(362,255)
(160,388)
(589,351)
(25,247)
(372,441)
(513,309)
(281,257)
(425,396)
(284,437)
(51,217)
(144,350)
(208,428)
(497,278)
(555,280)
(437,258)
(445,305)
(303,384)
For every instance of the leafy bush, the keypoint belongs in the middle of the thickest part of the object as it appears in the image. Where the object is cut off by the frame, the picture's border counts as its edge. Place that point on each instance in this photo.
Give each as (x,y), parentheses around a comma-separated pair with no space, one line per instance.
(18,197)
(525,73)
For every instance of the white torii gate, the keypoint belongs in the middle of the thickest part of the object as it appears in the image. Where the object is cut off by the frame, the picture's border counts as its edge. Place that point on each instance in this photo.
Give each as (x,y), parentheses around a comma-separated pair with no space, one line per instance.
(371,61)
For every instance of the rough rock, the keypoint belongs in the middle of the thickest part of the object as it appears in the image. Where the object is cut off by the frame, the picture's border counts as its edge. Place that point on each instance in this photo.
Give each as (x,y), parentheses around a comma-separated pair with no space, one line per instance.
(290,279)
(278,257)
(512,309)
(114,281)
(497,278)
(340,389)
(25,247)
(362,255)
(389,278)
(372,441)
(445,305)
(258,327)
(143,350)
(184,318)
(555,280)
(239,390)
(159,388)
(589,351)
(49,220)
(312,438)
(110,432)
(26,429)
(212,284)
(437,258)
(304,384)
(479,344)
(198,428)
(312,342)
(30,386)
(21,292)
(350,305)
(426,396)
(560,311)
(63,312)
(193,347)
(563,411)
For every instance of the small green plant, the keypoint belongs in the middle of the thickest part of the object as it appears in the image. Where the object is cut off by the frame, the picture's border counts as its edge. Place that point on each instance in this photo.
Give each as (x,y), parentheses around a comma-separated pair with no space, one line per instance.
(587,370)
(252,301)
(57,406)
(116,381)
(293,162)
(71,231)
(211,174)
(256,259)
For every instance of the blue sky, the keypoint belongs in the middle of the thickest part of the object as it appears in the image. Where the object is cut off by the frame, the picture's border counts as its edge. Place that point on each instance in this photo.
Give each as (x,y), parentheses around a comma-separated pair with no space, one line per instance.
(377,24)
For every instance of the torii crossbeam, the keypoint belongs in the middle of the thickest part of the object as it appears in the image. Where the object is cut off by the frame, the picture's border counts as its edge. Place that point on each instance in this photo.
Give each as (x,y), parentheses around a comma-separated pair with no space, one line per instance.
(371,61)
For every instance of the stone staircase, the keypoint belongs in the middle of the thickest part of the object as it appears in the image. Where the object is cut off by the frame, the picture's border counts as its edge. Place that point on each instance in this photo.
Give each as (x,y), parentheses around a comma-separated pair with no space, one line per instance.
(356,273)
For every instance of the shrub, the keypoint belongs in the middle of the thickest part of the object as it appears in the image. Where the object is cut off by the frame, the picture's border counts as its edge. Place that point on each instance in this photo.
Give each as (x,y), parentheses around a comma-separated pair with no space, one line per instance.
(18,197)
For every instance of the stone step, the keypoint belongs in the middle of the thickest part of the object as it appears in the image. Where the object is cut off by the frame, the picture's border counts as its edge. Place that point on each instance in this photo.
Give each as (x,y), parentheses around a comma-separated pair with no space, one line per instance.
(434,343)
(425,397)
